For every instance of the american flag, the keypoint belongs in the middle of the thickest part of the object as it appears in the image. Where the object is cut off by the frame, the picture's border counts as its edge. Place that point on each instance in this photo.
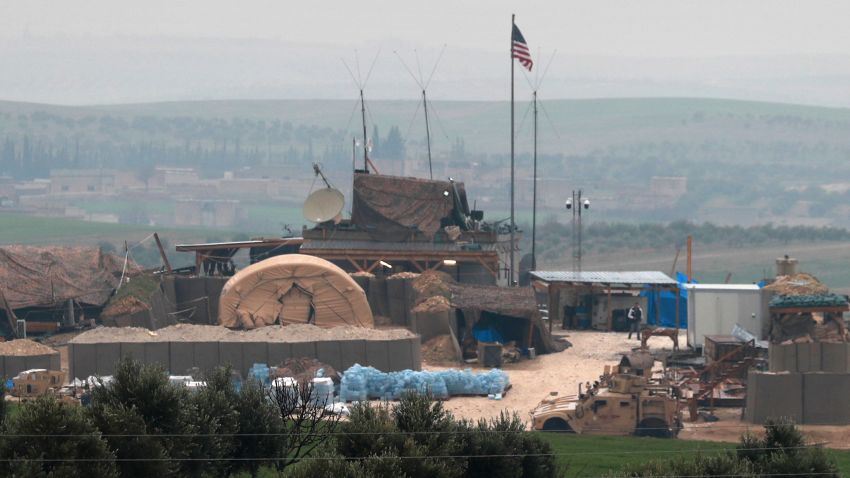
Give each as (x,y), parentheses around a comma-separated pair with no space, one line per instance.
(519,48)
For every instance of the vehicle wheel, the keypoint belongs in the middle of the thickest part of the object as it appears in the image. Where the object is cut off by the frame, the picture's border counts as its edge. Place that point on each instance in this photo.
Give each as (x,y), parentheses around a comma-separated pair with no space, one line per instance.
(557,425)
(653,427)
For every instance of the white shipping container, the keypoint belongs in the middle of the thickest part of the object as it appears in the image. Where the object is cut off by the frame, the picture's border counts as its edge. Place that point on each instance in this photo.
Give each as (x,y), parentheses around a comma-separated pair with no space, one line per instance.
(714,309)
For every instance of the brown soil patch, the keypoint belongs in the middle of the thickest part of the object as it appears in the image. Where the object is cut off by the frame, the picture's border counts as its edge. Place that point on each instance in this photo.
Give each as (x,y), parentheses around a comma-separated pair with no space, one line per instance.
(439,350)
(24,347)
(215,333)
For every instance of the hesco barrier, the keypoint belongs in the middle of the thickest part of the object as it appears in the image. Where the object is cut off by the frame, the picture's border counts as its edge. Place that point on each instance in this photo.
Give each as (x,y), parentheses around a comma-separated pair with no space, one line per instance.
(814,398)
(11,365)
(833,357)
(177,357)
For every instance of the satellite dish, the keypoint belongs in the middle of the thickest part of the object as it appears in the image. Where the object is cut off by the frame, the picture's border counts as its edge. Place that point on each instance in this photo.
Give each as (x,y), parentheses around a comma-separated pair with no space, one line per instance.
(324,205)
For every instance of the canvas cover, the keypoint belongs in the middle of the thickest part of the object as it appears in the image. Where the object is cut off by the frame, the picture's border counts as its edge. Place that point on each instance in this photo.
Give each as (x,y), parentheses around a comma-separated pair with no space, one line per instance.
(48,276)
(389,207)
(293,288)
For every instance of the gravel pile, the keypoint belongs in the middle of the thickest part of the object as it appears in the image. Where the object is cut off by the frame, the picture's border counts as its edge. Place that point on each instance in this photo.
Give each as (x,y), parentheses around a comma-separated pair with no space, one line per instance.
(214,333)
(24,347)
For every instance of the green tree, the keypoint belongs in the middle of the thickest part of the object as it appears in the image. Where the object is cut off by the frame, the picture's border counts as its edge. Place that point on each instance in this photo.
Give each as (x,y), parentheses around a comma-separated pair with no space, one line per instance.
(161,413)
(260,427)
(393,146)
(47,438)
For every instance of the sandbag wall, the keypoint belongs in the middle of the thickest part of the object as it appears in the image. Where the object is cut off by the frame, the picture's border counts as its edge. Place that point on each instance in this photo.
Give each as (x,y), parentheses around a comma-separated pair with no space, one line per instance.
(11,365)
(815,398)
(831,357)
(806,382)
(86,359)
(195,297)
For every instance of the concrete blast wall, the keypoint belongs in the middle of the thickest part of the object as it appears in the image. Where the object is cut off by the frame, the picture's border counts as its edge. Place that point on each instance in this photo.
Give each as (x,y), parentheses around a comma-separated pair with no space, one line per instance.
(831,357)
(12,365)
(810,398)
(178,357)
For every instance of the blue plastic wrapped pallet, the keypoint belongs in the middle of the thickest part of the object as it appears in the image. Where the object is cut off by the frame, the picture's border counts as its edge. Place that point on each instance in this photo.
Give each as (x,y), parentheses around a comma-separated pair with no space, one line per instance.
(259,372)
(362,383)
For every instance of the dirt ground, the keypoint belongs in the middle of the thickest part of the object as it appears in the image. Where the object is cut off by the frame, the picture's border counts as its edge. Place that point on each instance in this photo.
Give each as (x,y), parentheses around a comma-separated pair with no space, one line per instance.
(560,372)
(532,380)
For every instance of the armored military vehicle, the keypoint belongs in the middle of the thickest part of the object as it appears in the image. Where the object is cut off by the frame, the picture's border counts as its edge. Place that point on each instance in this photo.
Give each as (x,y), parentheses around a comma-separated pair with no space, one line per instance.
(621,403)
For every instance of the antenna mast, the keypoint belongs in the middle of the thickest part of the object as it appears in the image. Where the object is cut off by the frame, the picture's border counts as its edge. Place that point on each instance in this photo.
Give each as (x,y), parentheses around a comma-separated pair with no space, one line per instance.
(427,133)
(365,143)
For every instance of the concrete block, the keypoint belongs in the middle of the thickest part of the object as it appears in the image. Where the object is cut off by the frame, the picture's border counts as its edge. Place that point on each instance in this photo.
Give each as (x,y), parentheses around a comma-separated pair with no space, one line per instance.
(230,353)
(213,286)
(834,357)
(37,361)
(278,352)
(55,362)
(328,351)
(157,353)
(206,356)
(820,406)
(133,350)
(83,360)
(378,354)
(15,365)
(181,357)
(108,356)
(431,324)
(304,349)
(254,352)
(806,360)
(351,352)
(401,355)
(774,395)
(416,349)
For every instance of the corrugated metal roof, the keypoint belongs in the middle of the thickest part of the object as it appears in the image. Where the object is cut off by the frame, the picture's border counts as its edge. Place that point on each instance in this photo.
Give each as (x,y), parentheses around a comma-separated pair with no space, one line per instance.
(605,277)
(319,244)
(721,286)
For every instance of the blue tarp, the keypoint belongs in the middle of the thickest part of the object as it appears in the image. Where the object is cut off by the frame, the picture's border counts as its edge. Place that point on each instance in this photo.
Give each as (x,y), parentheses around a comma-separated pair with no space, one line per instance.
(665,302)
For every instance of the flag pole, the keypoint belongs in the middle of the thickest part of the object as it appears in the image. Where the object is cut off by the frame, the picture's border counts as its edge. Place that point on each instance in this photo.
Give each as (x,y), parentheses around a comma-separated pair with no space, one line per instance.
(513,223)
(534,195)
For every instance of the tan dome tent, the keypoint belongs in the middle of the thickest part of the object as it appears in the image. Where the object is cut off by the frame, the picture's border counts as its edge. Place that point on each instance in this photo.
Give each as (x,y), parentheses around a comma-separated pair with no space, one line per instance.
(293,288)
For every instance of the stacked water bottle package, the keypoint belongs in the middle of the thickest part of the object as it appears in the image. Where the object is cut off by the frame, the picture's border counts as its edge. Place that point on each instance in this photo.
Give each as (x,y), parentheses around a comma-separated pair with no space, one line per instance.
(363,383)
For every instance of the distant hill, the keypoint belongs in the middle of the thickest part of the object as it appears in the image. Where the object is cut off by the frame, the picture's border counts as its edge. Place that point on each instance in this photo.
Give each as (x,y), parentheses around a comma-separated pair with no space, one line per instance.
(745,162)
(566,126)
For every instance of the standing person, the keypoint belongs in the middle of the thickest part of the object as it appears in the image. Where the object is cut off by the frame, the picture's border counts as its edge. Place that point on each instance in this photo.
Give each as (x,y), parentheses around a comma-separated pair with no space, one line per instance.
(635,317)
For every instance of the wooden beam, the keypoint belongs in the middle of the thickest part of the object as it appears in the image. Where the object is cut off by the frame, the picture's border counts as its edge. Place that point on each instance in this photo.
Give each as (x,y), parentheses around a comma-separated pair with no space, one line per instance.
(678,293)
(355,264)
(416,264)
(374,264)
(162,253)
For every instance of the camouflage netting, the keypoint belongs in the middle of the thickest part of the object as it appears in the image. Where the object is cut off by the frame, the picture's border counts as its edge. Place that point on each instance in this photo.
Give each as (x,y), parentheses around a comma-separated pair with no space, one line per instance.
(49,276)
(391,208)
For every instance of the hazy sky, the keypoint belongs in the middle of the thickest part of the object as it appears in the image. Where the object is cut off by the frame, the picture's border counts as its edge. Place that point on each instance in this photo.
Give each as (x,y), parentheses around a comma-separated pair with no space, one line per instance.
(103,51)
(597,27)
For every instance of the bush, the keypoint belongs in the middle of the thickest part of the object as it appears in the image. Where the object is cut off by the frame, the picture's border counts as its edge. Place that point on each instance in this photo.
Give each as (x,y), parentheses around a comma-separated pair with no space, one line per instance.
(417,437)
(141,402)
(45,429)
(259,429)
(782,451)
